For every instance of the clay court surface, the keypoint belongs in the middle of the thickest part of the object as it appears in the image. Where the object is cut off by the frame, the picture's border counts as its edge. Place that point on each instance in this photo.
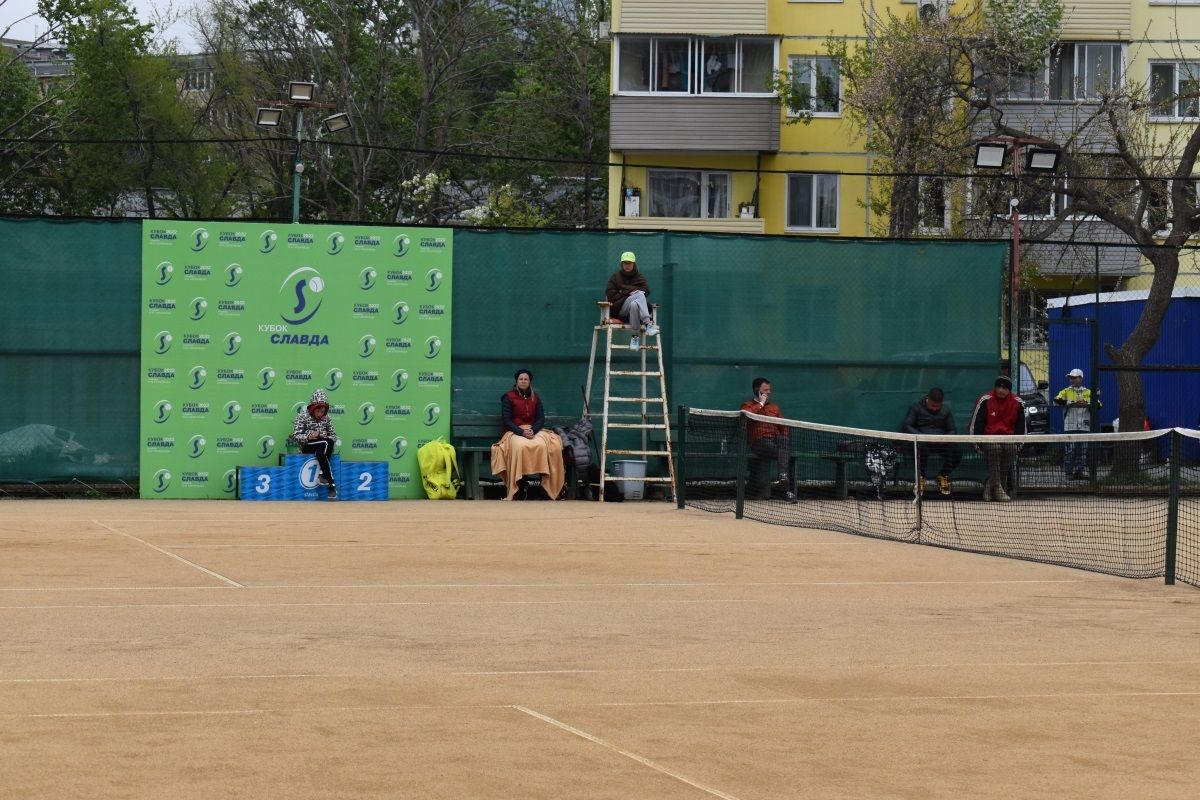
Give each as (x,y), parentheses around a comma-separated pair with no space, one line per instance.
(540,650)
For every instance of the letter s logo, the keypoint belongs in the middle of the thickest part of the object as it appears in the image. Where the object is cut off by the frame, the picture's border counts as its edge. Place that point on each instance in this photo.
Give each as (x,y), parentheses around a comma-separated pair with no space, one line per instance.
(162,342)
(161,481)
(163,273)
(366,413)
(433,346)
(433,412)
(433,280)
(162,411)
(199,239)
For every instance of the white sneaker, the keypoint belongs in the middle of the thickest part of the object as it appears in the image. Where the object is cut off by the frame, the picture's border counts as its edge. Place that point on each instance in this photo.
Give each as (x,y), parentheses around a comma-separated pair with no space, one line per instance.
(635,343)
(652,329)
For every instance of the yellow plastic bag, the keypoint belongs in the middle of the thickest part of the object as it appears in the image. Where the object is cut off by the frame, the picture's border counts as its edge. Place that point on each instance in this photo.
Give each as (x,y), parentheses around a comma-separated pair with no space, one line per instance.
(439,469)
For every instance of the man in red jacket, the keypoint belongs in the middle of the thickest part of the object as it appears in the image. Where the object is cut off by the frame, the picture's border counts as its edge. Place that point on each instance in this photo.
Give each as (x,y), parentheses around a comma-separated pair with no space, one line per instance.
(767,441)
(999,413)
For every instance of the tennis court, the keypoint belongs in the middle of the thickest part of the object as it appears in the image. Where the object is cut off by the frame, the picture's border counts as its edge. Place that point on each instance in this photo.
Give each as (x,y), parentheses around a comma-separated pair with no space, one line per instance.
(572,650)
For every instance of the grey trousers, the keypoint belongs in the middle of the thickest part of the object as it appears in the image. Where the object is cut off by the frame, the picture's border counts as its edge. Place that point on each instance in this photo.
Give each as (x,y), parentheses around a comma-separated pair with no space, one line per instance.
(1000,458)
(635,311)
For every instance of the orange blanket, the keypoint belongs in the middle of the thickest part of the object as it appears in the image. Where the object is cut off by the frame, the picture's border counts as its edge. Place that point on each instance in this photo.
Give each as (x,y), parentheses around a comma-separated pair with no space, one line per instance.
(514,456)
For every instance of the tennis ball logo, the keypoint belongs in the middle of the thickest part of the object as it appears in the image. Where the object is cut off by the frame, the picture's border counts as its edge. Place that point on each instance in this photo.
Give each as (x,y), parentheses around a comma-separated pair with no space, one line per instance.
(400,246)
(433,280)
(399,447)
(433,412)
(267,241)
(197,376)
(233,410)
(266,447)
(161,481)
(366,346)
(309,471)
(333,379)
(199,239)
(196,446)
(197,309)
(399,380)
(163,273)
(162,411)
(229,481)
(233,343)
(266,378)
(433,346)
(336,242)
(300,295)
(233,275)
(162,342)
(399,313)
(367,278)
(366,413)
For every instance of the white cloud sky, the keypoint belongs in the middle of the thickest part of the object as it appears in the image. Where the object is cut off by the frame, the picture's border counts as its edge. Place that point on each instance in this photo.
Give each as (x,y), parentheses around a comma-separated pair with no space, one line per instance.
(147,10)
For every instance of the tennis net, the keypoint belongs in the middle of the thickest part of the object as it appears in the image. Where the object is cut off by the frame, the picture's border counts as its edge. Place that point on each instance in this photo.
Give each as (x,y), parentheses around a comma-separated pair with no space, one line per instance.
(1124,504)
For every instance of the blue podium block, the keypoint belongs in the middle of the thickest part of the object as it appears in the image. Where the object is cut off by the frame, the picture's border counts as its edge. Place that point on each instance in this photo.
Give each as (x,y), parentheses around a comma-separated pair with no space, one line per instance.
(362,480)
(297,478)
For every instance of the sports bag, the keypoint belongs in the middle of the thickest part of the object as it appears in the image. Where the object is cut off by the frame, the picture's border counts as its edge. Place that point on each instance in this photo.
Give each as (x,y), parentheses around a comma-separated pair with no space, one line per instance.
(439,469)
(575,443)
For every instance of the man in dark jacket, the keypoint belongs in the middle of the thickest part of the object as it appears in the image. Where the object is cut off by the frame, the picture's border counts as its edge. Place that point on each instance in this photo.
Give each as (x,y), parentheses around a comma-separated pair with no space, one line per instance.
(627,291)
(930,414)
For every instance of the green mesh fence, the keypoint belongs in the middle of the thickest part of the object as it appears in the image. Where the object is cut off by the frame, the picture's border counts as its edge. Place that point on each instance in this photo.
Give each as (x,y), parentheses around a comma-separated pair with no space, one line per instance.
(69,319)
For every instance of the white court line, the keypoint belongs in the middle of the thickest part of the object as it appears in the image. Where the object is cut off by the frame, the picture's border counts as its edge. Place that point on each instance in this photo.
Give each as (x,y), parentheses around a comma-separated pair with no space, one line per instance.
(218,576)
(648,704)
(388,603)
(628,754)
(1097,578)
(349,545)
(189,678)
(858,667)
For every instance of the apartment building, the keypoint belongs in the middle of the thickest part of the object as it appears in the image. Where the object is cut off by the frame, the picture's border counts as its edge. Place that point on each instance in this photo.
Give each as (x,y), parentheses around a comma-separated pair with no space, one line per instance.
(703,143)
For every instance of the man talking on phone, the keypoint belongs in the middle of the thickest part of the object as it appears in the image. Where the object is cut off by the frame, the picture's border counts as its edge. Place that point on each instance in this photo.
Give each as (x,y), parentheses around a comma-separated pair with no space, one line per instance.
(769,442)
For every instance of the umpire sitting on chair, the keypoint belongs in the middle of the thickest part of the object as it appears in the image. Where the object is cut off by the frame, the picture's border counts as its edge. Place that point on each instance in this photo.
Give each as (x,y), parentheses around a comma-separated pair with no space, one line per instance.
(313,431)
(930,414)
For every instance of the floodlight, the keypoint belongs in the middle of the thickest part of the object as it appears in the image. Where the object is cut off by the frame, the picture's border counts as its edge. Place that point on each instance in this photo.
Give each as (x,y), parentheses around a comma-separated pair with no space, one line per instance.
(302,91)
(335,123)
(269,117)
(1040,160)
(990,154)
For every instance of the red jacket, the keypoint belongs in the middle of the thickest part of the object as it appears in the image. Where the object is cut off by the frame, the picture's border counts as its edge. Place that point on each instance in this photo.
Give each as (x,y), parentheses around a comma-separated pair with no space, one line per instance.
(756,430)
(996,417)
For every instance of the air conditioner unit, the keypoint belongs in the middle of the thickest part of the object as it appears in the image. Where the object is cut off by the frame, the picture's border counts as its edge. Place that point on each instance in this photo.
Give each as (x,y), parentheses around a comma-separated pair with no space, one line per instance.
(933,10)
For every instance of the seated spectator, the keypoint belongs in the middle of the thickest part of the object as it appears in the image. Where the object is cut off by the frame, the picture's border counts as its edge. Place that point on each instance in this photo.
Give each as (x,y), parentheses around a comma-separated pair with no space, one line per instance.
(627,291)
(769,442)
(526,448)
(998,413)
(930,414)
(313,431)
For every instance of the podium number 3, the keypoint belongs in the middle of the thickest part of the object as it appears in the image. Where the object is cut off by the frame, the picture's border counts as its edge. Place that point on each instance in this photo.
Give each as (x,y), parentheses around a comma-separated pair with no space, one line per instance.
(264,484)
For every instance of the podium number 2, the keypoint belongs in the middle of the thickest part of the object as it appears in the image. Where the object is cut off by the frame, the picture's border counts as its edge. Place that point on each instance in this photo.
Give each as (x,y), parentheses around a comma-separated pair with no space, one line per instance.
(365,484)
(264,484)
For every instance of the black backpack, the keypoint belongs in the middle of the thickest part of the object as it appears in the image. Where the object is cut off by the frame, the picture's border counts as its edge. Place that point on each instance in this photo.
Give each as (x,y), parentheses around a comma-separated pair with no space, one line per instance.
(576,443)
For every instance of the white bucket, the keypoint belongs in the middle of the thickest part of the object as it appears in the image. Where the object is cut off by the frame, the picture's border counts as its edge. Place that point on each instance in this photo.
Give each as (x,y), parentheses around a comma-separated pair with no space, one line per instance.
(630,490)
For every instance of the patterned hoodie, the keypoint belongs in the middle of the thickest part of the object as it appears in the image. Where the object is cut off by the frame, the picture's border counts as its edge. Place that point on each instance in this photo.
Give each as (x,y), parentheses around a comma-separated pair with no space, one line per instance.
(305,422)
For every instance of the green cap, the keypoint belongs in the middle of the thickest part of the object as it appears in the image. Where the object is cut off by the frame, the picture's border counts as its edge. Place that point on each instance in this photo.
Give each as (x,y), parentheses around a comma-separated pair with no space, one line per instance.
(629,256)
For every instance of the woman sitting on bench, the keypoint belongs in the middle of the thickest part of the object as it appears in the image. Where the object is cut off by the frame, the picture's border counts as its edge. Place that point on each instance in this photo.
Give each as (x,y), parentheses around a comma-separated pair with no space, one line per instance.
(526,448)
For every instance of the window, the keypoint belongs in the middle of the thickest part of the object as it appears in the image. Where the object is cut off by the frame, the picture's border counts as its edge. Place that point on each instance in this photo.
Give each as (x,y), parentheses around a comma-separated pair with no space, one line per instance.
(689,193)
(933,211)
(1175,90)
(1073,71)
(812,202)
(1159,206)
(695,65)
(198,80)
(1041,197)
(817,82)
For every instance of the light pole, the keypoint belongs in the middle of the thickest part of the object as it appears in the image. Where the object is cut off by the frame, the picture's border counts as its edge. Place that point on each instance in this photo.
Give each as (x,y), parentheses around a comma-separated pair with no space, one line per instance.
(300,97)
(991,152)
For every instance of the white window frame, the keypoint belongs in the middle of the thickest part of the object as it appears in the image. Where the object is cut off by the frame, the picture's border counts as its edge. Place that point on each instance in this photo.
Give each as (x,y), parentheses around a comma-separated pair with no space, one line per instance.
(837,205)
(1175,64)
(945,226)
(793,60)
(1165,230)
(1077,49)
(696,57)
(704,176)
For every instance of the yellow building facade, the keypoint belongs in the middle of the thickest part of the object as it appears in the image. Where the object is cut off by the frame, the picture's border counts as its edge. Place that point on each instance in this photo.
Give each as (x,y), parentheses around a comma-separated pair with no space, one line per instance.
(702,142)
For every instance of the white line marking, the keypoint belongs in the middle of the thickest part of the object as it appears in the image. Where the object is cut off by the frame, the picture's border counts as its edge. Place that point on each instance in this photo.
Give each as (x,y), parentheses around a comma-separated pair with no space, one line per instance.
(389,603)
(640,759)
(1097,579)
(351,545)
(809,667)
(489,707)
(218,576)
(196,678)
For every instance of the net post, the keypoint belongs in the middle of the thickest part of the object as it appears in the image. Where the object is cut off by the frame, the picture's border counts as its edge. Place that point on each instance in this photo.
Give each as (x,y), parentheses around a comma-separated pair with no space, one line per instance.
(680,450)
(740,506)
(918,499)
(1172,511)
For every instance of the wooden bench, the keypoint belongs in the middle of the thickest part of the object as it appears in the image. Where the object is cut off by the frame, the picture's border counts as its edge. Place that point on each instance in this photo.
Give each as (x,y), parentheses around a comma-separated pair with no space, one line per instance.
(473,437)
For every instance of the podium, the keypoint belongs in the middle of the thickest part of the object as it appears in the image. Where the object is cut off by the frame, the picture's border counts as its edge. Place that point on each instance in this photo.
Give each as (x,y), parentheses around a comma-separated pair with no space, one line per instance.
(296,479)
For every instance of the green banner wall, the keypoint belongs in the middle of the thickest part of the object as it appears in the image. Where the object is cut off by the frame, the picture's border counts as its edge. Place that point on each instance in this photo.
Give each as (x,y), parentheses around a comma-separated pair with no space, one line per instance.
(241,322)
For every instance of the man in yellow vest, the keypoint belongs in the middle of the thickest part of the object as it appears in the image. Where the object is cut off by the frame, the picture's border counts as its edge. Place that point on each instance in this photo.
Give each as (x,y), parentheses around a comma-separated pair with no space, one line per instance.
(1076,400)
